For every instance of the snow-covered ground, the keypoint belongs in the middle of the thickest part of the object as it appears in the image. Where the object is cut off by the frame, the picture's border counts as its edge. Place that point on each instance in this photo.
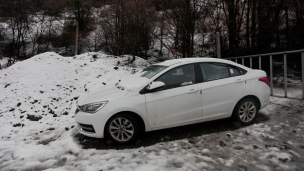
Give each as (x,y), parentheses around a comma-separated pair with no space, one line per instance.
(37,104)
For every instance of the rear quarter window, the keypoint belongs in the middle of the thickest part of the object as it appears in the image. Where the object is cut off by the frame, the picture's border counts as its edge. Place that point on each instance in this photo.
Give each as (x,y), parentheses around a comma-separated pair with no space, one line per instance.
(242,71)
(235,71)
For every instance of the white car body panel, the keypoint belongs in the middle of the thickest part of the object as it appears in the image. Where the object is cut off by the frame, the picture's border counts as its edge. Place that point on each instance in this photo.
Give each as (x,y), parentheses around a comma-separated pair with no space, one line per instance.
(219,95)
(174,106)
(107,93)
(168,108)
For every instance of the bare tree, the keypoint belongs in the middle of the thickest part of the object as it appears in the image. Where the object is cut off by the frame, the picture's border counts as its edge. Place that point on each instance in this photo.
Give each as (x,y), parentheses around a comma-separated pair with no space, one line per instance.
(127,27)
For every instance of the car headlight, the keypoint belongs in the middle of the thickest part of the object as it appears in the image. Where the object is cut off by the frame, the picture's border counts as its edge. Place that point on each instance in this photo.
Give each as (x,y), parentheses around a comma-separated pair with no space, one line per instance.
(92,107)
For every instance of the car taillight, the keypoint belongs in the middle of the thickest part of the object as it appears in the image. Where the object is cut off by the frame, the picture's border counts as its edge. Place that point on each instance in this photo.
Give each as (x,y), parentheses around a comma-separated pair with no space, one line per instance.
(265,80)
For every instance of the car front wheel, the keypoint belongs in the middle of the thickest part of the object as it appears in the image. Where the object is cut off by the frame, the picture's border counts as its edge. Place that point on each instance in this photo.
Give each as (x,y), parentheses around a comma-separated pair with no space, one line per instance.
(246,111)
(123,128)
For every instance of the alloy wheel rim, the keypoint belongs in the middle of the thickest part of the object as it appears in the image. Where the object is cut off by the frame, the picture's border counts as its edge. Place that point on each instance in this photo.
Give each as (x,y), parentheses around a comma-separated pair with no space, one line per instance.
(247,112)
(121,129)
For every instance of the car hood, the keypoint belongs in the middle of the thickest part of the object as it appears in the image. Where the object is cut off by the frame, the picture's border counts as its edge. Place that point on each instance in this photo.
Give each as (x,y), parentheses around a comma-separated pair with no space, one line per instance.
(106,94)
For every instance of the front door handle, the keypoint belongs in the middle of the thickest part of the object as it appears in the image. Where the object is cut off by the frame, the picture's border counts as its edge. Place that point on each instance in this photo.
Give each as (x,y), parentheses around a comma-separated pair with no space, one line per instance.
(192,91)
(239,80)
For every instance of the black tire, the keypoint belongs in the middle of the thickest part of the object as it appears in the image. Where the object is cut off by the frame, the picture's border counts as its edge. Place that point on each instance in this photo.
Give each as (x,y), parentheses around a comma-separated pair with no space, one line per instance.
(121,136)
(246,111)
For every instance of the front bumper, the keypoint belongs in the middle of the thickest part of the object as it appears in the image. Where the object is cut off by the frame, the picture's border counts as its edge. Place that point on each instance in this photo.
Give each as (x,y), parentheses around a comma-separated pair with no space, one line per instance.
(92,125)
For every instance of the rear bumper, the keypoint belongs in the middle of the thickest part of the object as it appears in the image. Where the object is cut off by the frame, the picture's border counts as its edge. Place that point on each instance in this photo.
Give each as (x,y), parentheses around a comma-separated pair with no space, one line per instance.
(264,96)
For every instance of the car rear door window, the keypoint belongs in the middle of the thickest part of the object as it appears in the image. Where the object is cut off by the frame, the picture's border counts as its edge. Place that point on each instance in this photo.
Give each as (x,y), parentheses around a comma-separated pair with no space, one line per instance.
(214,71)
(177,77)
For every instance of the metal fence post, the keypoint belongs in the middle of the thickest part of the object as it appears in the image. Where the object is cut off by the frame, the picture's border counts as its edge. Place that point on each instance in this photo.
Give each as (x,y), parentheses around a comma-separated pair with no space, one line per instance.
(250,62)
(218,45)
(302,58)
(271,75)
(243,61)
(260,65)
(285,75)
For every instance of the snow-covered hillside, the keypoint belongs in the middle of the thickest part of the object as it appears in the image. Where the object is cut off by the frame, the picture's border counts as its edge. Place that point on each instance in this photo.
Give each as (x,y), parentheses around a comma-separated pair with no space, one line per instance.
(37,103)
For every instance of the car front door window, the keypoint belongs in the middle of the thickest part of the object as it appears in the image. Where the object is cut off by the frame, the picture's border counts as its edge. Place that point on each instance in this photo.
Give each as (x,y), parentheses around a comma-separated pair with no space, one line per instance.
(177,77)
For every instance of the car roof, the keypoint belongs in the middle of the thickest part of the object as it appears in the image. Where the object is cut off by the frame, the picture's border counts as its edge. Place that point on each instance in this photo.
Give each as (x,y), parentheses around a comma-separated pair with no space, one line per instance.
(194,60)
(190,60)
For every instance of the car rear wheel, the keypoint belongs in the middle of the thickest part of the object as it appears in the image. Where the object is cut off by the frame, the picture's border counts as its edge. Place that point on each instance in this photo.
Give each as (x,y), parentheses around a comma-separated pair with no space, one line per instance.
(246,111)
(123,128)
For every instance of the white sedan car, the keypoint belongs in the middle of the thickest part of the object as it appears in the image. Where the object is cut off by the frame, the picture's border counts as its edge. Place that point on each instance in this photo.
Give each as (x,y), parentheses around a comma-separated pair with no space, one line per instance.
(173,93)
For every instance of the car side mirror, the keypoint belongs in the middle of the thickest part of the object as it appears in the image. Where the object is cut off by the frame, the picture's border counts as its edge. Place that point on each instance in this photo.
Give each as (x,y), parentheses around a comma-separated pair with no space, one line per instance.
(155,85)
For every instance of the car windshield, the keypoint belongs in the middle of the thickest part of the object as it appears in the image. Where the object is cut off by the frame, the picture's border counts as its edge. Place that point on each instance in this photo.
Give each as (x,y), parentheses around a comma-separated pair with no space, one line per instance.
(139,79)
(152,70)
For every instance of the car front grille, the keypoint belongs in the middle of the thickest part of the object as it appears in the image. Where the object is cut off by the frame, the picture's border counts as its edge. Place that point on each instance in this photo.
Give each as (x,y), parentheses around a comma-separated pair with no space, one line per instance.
(86,128)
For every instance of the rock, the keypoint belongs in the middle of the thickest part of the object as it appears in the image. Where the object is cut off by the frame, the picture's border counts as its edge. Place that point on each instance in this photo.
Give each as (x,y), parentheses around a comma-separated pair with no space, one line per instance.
(21,117)
(51,111)
(55,115)
(243,168)
(222,143)
(18,124)
(63,159)
(72,126)
(116,68)
(192,141)
(236,124)
(138,143)
(283,160)
(269,145)
(285,147)
(65,113)
(104,83)
(229,135)
(75,98)
(109,142)
(33,117)
(51,129)
(19,104)
(67,128)
(255,147)
(238,147)
(295,131)
(35,101)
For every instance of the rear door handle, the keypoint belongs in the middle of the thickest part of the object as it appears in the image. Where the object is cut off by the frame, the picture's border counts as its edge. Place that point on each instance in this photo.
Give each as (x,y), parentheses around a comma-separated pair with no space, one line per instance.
(239,80)
(192,91)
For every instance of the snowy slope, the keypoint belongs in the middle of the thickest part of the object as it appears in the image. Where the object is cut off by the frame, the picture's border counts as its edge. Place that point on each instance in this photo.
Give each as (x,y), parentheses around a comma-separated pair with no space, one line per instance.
(45,88)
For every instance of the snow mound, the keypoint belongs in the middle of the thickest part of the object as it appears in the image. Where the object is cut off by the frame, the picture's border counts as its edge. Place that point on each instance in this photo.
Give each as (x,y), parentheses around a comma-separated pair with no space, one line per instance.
(47,86)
